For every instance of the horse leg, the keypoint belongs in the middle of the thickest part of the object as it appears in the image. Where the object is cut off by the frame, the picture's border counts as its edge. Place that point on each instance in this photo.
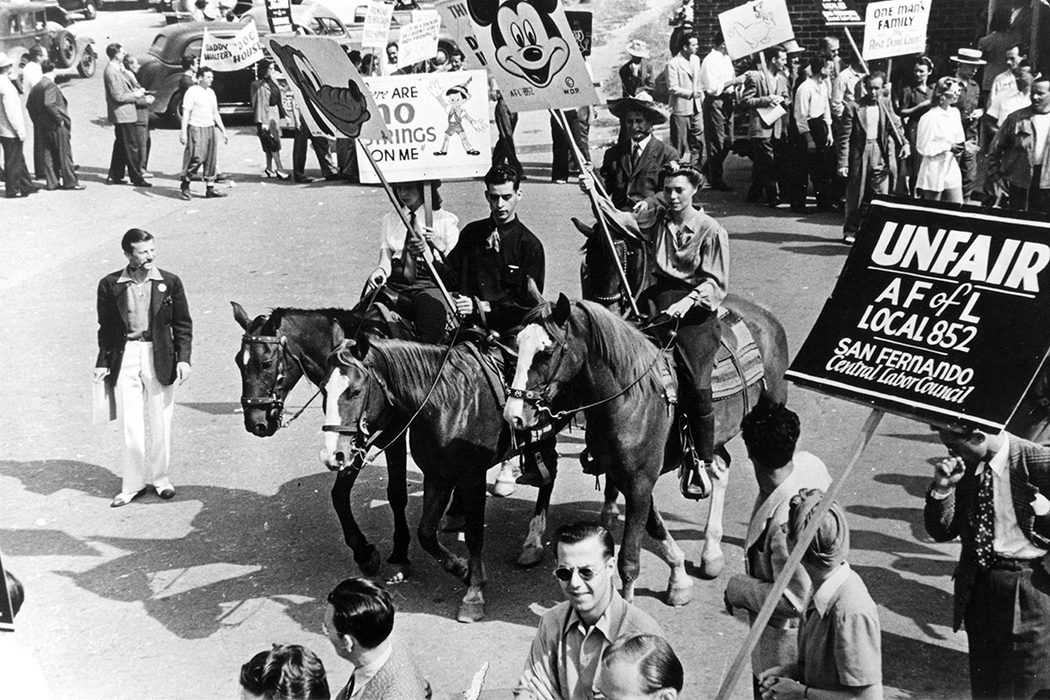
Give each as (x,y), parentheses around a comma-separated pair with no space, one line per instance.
(472,488)
(638,496)
(680,585)
(397,494)
(532,548)
(365,554)
(454,519)
(610,511)
(436,493)
(712,561)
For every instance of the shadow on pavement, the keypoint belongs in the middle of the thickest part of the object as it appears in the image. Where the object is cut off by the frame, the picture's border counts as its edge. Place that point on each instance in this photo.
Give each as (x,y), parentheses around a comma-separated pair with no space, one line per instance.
(926,670)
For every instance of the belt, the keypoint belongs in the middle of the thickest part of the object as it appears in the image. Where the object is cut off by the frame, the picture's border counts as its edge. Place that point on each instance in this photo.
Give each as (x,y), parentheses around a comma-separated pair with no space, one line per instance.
(146,337)
(1015,564)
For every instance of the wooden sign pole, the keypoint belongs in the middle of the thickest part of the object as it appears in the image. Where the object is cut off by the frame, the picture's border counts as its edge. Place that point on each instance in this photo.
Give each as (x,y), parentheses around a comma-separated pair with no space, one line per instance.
(743,656)
(559,116)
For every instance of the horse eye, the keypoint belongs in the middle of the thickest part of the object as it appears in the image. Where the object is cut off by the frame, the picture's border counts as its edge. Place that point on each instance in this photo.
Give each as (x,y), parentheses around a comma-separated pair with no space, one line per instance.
(515,33)
(530,33)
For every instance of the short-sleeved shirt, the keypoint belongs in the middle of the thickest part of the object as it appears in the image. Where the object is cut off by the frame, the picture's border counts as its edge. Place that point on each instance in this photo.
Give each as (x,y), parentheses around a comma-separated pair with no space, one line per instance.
(201,105)
(839,642)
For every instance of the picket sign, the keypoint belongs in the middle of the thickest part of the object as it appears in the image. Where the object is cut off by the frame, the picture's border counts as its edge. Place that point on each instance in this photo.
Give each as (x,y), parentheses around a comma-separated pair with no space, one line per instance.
(895,28)
(755,26)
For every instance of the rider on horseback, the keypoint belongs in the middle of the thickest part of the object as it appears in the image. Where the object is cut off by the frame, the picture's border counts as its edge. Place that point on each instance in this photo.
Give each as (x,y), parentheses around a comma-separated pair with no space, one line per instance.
(402,265)
(690,267)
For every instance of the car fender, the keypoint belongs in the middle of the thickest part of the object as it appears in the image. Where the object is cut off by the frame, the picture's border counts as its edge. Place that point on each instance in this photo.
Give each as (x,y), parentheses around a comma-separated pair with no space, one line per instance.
(163,93)
(85,44)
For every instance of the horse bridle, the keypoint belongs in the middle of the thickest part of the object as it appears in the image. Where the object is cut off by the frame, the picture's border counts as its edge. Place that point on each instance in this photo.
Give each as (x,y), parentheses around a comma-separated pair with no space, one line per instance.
(273,399)
(539,398)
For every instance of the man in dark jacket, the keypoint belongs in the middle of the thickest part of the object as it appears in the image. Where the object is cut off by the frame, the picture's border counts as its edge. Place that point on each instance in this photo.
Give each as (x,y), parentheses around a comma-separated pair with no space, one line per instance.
(767,100)
(1019,157)
(637,75)
(631,168)
(145,337)
(48,109)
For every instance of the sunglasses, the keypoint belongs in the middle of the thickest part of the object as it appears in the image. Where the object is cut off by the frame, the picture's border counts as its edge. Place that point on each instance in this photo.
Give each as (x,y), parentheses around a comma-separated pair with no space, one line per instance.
(564,573)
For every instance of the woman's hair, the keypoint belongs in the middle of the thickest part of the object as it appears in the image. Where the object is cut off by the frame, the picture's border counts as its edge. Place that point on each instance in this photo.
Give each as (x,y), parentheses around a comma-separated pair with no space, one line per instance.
(943,85)
(286,671)
(263,68)
(925,61)
(654,660)
(689,172)
(435,195)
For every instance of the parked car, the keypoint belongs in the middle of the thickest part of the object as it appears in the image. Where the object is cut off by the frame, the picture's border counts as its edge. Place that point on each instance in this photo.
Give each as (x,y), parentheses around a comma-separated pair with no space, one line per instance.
(24,25)
(73,10)
(161,67)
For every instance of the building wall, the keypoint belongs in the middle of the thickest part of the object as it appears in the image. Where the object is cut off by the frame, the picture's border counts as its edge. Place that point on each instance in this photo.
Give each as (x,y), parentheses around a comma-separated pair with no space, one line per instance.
(953,23)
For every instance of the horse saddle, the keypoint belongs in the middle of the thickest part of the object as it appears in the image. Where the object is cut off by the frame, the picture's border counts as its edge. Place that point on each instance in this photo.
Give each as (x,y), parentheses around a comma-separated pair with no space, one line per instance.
(738,362)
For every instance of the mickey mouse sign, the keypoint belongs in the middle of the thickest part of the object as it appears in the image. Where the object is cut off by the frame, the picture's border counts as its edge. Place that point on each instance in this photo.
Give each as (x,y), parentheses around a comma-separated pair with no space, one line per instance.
(532,53)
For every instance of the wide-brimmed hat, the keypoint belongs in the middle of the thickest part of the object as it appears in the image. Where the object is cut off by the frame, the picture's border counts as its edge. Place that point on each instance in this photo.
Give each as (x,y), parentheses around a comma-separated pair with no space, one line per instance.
(791,46)
(638,48)
(642,102)
(5,61)
(969,56)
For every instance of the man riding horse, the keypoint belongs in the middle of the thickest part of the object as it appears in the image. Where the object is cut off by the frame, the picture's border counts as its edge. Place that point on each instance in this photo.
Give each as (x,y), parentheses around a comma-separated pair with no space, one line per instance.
(689,254)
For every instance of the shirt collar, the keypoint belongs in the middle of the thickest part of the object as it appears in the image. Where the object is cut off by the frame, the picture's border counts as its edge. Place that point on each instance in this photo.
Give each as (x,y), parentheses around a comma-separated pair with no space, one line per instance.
(690,225)
(367,672)
(604,623)
(824,596)
(153,274)
(643,143)
(1001,460)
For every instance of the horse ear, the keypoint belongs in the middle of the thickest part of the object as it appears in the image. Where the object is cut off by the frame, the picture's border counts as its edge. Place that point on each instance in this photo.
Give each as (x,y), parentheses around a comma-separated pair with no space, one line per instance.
(532,290)
(338,334)
(562,310)
(240,315)
(582,227)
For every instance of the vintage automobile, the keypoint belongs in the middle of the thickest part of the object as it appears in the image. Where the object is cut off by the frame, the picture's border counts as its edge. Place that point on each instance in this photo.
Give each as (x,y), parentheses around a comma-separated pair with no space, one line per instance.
(162,66)
(24,25)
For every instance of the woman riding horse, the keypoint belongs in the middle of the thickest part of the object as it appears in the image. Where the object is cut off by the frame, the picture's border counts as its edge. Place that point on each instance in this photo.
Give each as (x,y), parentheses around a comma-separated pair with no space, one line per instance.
(689,254)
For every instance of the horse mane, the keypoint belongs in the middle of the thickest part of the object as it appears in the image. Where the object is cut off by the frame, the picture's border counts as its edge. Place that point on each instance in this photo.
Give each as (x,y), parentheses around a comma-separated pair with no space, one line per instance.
(277,315)
(618,344)
(411,367)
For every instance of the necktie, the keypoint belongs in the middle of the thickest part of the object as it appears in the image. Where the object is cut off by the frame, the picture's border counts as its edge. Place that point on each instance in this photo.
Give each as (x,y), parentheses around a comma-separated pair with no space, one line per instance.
(984,521)
(636,155)
(407,258)
(493,241)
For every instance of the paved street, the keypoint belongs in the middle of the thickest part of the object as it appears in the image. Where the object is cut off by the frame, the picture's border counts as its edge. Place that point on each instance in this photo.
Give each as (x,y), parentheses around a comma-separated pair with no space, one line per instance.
(167,599)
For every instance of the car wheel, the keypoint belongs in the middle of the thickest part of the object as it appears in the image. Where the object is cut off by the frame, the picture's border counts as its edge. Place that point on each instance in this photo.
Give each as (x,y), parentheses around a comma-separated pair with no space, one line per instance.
(86,67)
(90,11)
(65,49)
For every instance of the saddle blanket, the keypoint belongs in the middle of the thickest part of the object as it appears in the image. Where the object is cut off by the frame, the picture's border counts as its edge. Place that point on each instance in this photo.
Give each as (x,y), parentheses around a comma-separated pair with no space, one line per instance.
(736,340)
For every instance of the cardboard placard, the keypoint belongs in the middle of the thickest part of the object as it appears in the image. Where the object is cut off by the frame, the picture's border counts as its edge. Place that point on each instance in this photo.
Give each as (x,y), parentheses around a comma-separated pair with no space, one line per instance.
(376,28)
(418,41)
(840,13)
(755,26)
(895,28)
(235,53)
(431,131)
(279,16)
(330,94)
(939,314)
(582,24)
(455,19)
(531,53)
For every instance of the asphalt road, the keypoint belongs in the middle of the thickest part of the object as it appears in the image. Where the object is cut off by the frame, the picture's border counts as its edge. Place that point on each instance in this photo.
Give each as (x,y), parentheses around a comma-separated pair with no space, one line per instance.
(167,599)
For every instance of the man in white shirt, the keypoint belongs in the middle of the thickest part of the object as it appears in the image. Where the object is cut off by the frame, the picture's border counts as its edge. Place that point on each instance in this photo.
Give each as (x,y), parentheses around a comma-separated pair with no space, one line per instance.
(1005,84)
(17,182)
(683,82)
(812,110)
(717,79)
(200,122)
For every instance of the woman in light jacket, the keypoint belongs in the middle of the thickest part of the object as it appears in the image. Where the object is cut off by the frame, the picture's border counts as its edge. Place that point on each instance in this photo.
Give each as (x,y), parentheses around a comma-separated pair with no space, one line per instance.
(266,104)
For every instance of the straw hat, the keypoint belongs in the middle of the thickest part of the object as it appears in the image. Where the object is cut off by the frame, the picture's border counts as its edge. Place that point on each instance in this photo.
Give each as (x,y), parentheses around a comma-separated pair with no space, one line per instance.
(970,56)
(638,48)
(642,102)
(791,46)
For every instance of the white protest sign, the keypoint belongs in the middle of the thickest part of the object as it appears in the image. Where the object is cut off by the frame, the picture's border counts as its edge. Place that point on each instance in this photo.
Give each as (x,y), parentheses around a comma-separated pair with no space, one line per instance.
(377,24)
(279,16)
(455,19)
(234,53)
(532,54)
(438,126)
(895,28)
(418,41)
(755,26)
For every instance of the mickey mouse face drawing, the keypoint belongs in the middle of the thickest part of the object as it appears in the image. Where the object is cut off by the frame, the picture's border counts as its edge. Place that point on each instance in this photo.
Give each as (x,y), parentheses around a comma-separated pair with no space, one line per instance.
(528,42)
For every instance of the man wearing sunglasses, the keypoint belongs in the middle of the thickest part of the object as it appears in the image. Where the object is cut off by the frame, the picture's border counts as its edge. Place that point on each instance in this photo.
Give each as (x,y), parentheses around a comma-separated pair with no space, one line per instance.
(573,635)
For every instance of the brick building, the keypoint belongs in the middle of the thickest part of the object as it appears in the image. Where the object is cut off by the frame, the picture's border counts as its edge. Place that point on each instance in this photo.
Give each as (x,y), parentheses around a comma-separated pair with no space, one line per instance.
(953,23)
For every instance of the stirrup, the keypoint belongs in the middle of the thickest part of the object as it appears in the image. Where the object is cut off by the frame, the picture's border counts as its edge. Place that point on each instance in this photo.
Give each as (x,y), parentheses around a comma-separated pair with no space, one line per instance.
(694,480)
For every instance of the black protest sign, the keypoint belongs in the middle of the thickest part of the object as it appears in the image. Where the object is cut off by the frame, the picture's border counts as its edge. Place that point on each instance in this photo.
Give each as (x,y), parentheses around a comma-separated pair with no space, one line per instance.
(7,611)
(581,23)
(279,16)
(841,13)
(939,314)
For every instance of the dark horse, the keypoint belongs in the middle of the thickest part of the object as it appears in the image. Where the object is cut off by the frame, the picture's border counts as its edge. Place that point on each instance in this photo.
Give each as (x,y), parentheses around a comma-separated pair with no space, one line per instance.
(453,402)
(277,350)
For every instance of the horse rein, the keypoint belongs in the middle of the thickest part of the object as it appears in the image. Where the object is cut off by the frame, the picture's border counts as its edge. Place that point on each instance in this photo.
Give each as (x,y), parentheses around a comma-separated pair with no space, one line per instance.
(538,397)
(273,399)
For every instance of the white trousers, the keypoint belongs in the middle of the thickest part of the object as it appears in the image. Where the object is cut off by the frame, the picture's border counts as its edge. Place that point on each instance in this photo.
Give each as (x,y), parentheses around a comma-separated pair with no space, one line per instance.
(140,394)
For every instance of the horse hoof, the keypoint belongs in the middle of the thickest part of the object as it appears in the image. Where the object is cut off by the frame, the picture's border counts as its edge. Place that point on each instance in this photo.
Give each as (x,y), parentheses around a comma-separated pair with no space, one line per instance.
(400,575)
(711,567)
(471,612)
(370,567)
(453,523)
(530,556)
(679,596)
(503,488)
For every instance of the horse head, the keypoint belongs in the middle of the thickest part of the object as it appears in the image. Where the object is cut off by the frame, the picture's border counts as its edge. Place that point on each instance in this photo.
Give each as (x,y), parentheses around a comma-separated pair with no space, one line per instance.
(358,405)
(268,371)
(599,277)
(549,356)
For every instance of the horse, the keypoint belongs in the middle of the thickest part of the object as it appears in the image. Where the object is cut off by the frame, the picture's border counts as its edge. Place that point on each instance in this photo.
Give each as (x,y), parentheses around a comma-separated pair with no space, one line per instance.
(452,399)
(584,350)
(277,350)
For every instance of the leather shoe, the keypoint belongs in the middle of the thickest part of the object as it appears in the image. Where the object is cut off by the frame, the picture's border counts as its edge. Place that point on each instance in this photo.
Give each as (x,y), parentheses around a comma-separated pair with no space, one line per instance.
(185,194)
(531,478)
(75,187)
(166,493)
(142,183)
(123,498)
(111,181)
(303,179)
(212,194)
